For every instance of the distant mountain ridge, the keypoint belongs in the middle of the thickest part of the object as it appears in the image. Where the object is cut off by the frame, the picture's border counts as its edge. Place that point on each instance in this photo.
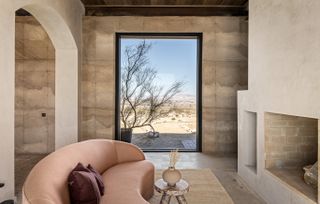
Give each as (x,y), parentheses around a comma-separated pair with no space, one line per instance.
(185,98)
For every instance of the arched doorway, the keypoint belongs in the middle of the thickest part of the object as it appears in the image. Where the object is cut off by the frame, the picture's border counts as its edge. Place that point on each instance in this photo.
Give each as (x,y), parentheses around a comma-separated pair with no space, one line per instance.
(62,20)
(66,72)
(34,96)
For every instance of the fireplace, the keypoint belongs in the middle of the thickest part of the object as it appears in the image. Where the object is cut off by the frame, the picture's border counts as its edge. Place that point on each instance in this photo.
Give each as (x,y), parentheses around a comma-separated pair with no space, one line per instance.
(291,143)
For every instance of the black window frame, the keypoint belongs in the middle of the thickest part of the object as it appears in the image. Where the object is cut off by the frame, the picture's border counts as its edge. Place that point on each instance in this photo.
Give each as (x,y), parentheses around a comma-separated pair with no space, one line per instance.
(159,35)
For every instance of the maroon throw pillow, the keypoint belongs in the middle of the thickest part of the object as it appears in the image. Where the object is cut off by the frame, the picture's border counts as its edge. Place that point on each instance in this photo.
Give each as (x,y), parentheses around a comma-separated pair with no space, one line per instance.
(99,179)
(80,167)
(83,188)
(97,175)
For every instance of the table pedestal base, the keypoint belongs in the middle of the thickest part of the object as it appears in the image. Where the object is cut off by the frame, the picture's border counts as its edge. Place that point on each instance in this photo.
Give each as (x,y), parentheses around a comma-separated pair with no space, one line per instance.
(165,199)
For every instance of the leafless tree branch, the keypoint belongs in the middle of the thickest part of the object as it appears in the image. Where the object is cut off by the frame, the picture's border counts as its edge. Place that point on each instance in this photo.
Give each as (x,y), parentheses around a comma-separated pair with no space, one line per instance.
(143,101)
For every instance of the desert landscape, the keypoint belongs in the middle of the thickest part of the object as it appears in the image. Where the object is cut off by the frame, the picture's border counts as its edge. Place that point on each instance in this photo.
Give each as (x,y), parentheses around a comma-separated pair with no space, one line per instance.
(177,130)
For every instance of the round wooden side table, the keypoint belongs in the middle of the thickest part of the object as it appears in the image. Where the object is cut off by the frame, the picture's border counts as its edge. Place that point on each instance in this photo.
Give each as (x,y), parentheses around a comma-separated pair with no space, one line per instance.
(178,191)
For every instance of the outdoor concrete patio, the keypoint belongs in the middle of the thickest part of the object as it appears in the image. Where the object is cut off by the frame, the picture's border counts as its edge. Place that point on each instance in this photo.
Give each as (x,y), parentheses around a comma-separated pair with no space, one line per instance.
(165,141)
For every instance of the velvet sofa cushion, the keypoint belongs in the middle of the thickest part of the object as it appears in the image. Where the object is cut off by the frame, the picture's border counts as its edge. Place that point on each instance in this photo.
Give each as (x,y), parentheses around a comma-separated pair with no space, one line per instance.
(98,178)
(85,185)
(83,188)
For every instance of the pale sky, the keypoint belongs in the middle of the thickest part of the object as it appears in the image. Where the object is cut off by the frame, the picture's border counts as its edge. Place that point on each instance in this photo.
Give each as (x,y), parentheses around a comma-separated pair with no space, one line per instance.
(174,59)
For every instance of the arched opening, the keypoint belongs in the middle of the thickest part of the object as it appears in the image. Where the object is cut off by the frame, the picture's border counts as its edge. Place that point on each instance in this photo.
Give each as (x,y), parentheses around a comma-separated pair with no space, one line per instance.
(34,95)
(62,21)
(66,72)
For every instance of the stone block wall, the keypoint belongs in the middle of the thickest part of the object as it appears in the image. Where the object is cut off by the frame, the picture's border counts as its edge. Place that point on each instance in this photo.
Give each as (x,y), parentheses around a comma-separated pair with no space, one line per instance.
(291,141)
(224,68)
(35,84)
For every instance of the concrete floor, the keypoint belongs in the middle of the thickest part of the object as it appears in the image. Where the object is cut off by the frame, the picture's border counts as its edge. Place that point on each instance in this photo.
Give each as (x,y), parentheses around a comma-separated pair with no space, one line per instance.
(223,167)
(23,165)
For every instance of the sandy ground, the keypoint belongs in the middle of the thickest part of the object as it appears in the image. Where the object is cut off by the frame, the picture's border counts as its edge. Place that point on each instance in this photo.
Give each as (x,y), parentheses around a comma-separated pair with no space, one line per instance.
(181,124)
(176,131)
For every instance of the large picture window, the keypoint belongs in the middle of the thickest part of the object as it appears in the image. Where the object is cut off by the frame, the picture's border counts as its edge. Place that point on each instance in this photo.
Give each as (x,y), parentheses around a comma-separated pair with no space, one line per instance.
(158,96)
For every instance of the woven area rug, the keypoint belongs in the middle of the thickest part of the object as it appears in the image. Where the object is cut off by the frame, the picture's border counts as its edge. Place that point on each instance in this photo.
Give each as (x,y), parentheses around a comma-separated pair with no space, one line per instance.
(205,188)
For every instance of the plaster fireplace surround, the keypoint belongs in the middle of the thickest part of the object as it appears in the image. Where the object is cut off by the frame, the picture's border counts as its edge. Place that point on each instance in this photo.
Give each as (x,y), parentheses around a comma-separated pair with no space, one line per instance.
(273,164)
(278,116)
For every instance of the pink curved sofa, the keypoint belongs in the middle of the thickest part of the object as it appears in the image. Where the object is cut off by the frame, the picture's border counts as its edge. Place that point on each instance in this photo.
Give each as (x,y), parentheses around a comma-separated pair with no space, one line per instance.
(128,177)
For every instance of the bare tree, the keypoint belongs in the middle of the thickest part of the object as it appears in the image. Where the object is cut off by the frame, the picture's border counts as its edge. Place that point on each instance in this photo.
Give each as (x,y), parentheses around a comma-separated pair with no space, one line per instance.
(142,100)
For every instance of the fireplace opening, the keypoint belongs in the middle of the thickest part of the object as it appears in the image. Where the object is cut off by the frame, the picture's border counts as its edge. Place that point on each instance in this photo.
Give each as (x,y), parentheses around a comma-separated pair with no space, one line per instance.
(291,143)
